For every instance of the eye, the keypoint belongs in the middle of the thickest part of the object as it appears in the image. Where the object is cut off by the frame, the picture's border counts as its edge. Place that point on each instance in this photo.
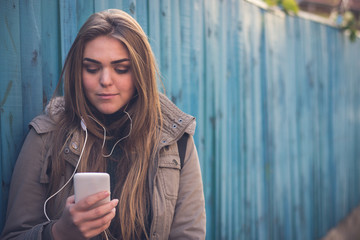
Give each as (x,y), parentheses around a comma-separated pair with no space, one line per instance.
(91,70)
(122,70)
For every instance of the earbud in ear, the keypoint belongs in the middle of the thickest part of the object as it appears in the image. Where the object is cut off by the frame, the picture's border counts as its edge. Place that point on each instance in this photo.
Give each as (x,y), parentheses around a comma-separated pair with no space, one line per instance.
(83,125)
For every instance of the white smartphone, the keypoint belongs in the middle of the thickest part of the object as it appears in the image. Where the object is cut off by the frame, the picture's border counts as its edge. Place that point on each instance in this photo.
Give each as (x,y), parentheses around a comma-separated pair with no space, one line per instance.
(88,183)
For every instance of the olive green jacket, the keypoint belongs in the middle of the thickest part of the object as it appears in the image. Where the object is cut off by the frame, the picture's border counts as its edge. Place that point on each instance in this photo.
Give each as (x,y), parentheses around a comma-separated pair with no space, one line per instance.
(176,192)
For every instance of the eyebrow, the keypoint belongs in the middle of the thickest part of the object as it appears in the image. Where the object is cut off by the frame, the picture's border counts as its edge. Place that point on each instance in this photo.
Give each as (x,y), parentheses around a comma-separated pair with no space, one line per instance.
(113,62)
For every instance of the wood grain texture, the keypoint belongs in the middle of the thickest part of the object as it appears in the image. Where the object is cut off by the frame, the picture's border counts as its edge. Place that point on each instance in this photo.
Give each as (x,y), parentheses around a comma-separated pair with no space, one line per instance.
(276,100)
(11,111)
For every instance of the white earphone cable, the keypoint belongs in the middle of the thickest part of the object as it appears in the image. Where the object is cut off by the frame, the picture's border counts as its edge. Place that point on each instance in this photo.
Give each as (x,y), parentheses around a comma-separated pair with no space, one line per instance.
(76,167)
(104,140)
(83,126)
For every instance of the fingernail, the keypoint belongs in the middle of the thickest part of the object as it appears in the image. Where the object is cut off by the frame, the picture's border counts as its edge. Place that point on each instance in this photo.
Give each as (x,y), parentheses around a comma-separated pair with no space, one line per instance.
(115,201)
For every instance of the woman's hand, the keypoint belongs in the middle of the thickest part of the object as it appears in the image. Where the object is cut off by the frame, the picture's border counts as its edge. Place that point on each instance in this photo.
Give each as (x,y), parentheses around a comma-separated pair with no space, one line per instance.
(82,221)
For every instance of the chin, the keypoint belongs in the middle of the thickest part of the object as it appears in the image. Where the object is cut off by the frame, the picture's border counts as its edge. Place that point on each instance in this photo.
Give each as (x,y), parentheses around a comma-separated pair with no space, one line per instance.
(108,111)
(109,108)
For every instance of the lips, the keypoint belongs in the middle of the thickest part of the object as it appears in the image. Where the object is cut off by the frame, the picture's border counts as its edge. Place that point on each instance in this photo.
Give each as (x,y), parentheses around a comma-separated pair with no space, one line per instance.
(107,95)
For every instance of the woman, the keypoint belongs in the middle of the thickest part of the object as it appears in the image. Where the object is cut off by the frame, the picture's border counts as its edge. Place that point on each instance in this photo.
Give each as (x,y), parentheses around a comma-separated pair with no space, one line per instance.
(111,119)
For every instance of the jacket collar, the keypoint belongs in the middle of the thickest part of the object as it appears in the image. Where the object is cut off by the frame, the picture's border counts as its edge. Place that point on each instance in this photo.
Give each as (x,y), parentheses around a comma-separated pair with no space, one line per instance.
(175,124)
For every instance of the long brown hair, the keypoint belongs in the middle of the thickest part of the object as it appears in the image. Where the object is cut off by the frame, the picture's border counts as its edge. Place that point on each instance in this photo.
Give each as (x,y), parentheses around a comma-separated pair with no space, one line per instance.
(144,108)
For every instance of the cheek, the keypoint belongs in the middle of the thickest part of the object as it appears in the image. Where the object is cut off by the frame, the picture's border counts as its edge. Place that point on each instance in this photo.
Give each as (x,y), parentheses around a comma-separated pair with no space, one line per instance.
(131,85)
(127,85)
(88,83)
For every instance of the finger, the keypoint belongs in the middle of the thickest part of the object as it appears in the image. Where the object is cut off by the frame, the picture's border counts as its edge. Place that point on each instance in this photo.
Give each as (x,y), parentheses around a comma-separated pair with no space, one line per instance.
(81,219)
(89,201)
(93,228)
(100,211)
(70,200)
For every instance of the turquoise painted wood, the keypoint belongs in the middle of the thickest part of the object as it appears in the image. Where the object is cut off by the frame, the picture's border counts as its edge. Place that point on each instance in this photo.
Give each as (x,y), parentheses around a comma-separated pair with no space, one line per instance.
(11,116)
(276,98)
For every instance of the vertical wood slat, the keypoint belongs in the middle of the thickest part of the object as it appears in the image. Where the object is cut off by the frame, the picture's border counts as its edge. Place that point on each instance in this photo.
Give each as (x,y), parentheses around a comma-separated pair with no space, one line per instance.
(84,8)
(166,53)
(49,48)
(68,26)
(142,15)
(31,60)
(231,52)
(11,115)
(276,100)
(106,4)
(177,51)
(208,121)
(154,29)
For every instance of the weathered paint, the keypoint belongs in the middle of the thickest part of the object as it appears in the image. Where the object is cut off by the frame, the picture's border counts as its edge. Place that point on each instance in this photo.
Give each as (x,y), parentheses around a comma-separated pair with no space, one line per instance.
(11,116)
(276,100)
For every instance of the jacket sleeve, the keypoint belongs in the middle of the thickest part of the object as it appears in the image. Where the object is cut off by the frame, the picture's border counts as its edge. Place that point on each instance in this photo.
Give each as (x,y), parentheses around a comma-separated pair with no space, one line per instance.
(25,217)
(346,229)
(189,219)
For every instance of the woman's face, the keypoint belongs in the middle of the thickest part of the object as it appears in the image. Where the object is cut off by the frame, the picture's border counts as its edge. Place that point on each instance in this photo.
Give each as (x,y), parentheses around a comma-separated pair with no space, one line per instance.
(107,75)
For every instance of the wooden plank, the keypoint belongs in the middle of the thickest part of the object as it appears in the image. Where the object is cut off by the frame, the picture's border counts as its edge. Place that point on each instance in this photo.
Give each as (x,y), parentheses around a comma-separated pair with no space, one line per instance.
(165,43)
(232,16)
(129,6)
(68,26)
(108,4)
(49,47)
(332,39)
(275,89)
(142,14)
(194,78)
(31,61)
(300,217)
(84,9)
(209,122)
(11,115)
(174,51)
(154,31)
(256,124)
(305,146)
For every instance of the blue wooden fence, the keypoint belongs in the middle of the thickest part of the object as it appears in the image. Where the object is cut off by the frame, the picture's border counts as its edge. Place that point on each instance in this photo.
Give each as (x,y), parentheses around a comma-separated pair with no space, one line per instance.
(276,99)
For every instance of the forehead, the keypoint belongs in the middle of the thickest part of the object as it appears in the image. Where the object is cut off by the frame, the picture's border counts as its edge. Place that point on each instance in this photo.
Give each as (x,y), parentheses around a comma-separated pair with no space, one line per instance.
(105,48)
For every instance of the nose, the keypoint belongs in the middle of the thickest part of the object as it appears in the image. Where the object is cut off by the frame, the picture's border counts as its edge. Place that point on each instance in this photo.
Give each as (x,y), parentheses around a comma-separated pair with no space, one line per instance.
(105,78)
